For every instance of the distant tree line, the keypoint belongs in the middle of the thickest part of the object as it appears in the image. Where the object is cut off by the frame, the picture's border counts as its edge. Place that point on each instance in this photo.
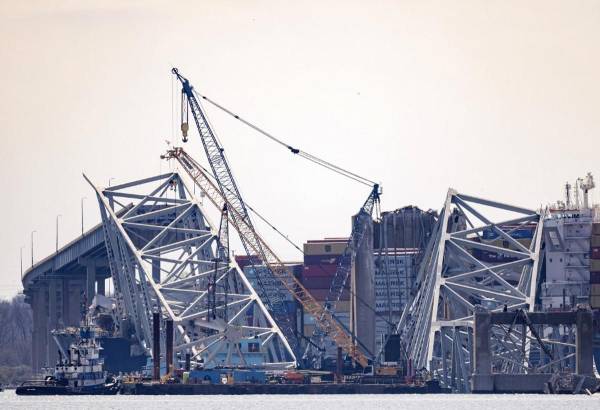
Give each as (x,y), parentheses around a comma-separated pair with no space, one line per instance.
(16,327)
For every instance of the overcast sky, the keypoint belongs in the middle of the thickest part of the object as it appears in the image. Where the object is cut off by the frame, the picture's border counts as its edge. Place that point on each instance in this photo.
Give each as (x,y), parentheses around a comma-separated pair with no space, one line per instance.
(494,98)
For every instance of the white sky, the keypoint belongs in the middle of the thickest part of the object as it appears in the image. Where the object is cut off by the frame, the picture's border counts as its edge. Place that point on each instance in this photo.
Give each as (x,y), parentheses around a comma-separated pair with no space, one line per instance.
(494,98)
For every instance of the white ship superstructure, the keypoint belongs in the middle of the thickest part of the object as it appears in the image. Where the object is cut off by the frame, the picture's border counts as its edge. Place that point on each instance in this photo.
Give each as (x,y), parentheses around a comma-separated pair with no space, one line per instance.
(568,234)
(83,366)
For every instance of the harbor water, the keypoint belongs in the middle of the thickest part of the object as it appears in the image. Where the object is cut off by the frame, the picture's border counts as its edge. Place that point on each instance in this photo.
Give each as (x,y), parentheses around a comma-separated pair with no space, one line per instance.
(9,400)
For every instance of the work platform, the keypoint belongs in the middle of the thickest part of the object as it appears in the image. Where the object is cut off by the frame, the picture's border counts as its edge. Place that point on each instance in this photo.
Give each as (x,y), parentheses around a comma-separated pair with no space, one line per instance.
(319,388)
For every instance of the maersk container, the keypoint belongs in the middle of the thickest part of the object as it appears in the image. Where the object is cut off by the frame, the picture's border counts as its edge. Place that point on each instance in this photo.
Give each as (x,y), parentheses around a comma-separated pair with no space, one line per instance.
(523,233)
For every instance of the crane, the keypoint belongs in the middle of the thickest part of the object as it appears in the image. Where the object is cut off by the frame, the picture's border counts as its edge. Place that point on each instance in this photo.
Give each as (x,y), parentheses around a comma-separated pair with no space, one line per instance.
(323,317)
(225,193)
(344,267)
(227,186)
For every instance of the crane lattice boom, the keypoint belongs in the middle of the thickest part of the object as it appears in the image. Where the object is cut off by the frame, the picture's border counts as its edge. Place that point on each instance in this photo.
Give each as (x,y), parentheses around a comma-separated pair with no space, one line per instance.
(323,318)
(271,295)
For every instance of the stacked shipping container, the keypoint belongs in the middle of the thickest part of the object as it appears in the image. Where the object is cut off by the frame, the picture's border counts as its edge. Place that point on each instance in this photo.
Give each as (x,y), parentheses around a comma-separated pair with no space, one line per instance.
(321,259)
(595,267)
(253,267)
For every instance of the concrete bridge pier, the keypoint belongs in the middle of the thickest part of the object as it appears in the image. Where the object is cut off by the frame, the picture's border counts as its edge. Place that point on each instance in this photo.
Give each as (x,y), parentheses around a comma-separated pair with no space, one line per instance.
(52,323)
(60,286)
(584,342)
(90,274)
(483,380)
(40,326)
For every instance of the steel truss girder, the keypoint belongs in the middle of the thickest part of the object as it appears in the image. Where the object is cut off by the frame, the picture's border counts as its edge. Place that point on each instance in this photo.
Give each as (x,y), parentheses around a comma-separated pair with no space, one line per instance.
(166,256)
(323,317)
(456,278)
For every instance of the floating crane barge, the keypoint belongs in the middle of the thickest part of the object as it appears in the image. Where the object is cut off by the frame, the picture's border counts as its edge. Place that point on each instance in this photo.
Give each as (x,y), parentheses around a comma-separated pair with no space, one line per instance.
(317,388)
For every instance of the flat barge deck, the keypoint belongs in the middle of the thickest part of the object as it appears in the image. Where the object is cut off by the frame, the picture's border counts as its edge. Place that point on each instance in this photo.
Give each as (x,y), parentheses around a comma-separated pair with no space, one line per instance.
(242,389)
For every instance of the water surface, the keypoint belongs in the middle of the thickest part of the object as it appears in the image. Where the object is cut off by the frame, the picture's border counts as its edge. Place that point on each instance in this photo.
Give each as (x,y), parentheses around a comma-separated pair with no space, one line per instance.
(9,400)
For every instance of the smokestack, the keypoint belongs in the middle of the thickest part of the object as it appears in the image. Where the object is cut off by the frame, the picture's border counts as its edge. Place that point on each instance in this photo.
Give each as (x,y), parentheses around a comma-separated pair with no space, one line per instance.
(156,346)
(169,347)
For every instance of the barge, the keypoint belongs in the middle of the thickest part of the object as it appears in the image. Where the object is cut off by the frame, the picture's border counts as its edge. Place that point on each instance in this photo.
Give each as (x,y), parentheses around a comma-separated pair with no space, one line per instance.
(256,388)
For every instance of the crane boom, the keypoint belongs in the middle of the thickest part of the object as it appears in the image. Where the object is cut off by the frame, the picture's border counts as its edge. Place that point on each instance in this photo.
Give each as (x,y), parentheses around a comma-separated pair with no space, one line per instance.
(324,319)
(342,272)
(271,295)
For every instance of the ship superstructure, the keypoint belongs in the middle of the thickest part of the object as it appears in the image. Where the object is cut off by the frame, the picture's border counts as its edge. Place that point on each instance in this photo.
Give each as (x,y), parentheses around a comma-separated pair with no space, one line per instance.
(83,367)
(80,372)
(568,235)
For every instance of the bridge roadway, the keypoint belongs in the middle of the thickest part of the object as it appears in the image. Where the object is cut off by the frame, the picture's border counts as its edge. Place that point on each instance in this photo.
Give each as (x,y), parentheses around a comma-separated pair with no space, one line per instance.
(60,286)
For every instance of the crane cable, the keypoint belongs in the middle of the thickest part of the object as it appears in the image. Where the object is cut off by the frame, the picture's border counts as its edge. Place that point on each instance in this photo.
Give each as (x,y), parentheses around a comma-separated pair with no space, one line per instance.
(293,150)
(286,237)
(319,161)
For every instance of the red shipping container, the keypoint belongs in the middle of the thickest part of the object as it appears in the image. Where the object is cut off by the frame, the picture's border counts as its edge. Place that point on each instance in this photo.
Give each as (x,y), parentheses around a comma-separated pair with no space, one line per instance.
(319,270)
(321,294)
(317,282)
(595,253)
(321,259)
(595,277)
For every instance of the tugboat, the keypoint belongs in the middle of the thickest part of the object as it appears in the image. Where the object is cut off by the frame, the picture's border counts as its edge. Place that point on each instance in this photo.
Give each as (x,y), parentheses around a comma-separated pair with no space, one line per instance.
(81,372)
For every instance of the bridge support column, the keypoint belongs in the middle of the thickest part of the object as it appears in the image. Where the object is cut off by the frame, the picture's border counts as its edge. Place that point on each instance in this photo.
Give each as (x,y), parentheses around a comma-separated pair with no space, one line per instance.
(584,343)
(482,380)
(90,273)
(77,295)
(363,286)
(52,321)
(66,300)
(40,327)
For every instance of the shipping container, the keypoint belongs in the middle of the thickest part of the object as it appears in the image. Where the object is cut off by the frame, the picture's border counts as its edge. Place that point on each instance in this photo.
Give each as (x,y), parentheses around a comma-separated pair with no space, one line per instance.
(595,241)
(503,243)
(319,270)
(342,306)
(520,233)
(318,282)
(325,247)
(595,277)
(492,257)
(308,330)
(595,253)
(321,259)
(594,265)
(321,294)
(596,228)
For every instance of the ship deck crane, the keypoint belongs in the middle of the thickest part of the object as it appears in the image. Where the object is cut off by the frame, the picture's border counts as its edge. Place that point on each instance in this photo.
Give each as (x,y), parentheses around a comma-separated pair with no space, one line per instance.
(227,194)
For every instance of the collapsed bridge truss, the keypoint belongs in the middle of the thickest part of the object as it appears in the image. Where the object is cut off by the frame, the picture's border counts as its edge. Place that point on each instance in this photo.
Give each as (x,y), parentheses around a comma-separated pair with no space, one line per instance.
(473,261)
(167,257)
